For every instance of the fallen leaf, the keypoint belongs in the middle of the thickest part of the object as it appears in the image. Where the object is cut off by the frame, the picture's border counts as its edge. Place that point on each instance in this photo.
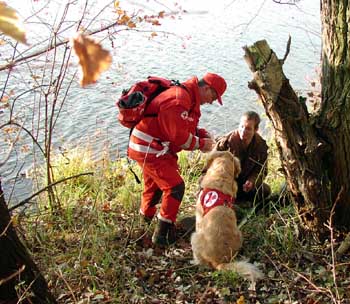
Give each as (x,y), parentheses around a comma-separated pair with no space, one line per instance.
(10,23)
(240,300)
(106,207)
(93,59)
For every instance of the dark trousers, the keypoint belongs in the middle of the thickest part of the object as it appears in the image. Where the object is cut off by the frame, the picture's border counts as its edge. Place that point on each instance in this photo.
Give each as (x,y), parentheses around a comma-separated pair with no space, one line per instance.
(256,196)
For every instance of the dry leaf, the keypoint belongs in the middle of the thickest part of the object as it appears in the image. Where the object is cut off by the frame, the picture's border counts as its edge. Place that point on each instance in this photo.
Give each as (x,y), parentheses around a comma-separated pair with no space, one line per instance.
(131,24)
(155,22)
(5,98)
(10,24)
(93,59)
(123,20)
(240,300)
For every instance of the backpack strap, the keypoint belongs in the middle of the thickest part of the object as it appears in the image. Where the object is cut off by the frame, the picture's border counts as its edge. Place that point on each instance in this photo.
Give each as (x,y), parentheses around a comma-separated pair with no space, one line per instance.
(173,83)
(137,179)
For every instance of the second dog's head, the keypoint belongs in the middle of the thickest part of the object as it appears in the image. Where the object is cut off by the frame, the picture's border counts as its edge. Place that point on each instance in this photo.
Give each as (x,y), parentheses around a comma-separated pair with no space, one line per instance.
(222,169)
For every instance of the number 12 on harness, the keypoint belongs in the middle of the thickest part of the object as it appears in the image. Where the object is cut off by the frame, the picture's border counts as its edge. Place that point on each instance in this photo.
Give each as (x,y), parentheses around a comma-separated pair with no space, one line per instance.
(134,101)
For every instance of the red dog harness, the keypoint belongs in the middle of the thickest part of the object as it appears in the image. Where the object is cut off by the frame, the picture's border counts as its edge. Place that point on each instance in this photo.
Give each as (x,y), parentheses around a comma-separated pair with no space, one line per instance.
(211,198)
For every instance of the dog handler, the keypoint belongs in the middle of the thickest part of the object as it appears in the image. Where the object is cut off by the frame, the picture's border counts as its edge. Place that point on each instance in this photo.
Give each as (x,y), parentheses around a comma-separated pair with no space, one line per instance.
(156,140)
(251,149)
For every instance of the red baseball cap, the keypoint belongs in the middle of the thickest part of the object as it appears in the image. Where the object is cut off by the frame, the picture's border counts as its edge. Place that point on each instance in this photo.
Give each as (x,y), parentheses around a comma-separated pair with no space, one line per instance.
(217,83)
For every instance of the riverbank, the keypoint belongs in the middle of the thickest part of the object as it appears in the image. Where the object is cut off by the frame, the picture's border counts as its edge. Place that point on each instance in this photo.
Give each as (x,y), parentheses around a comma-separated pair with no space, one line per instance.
(96,249)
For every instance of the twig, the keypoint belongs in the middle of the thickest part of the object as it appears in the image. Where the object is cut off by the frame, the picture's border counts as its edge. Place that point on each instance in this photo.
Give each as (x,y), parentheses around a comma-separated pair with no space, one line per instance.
(201,300)
(26,291)
(190,230)
(316,288)
(10,277)
(346,243)
(65,281)
(11,147)
(52,46)
(12,122)
(5,230)
(45,188)
(129,233)
(186,267)
(247,217)
(279,272)
(141,236)
(330,227)
(287,50)
(289,2)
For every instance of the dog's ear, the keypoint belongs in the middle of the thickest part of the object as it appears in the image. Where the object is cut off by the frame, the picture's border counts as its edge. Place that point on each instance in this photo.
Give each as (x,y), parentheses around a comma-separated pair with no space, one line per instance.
(237,165)
(209,160)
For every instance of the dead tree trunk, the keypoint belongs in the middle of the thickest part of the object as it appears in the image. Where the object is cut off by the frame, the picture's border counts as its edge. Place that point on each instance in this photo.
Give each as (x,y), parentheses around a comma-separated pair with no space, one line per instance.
(16,266)
(301,149)
(317,179)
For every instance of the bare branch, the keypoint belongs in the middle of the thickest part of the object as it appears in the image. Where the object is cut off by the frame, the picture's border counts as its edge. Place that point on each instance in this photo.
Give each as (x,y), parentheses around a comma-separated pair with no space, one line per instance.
(27,200)
(288,2)
(287,50)
(10,148)
(11,122)
(2,163)
(16,273)
(52,46)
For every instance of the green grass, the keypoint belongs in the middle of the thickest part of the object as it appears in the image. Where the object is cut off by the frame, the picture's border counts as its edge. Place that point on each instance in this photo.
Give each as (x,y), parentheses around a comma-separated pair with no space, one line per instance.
(94,252)
(275,179)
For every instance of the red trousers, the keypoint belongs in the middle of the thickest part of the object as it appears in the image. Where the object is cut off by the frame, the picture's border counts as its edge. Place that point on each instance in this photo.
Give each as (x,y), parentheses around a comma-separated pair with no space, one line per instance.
(162,181)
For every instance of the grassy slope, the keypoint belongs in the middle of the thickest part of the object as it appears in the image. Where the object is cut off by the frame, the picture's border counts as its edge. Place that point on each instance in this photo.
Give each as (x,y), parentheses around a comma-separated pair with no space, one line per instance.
(97,251)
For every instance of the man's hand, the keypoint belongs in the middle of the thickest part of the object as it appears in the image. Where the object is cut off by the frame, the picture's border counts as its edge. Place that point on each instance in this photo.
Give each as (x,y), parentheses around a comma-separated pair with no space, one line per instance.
(221,144)
(248,186)
(203,133)
(208,145)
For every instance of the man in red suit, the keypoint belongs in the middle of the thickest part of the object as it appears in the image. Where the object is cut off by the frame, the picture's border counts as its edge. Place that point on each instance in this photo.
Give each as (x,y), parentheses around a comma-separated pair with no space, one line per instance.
(170,125)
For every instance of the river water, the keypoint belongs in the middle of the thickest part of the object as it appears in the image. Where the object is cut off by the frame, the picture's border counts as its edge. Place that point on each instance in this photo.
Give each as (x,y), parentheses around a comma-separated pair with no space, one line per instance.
(209,36)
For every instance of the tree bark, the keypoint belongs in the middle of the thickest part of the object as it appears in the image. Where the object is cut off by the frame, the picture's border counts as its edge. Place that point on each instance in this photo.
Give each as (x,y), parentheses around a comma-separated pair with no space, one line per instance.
(333,118)
(314,149)
(301,149)
(16,265)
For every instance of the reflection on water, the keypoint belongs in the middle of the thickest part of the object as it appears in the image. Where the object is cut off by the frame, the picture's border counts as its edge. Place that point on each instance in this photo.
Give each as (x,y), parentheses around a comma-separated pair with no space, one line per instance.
(207,38)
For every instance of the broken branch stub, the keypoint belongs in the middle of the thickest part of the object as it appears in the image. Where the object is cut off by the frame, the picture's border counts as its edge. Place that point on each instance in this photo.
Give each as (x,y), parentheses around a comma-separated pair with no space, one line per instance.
(295,136)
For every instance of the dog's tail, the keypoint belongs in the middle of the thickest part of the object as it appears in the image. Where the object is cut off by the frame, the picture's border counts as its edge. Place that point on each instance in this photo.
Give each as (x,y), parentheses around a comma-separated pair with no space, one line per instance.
(243,268)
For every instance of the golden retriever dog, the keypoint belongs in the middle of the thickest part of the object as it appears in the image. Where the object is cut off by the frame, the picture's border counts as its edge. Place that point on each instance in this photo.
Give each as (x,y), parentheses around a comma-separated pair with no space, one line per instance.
(217,238)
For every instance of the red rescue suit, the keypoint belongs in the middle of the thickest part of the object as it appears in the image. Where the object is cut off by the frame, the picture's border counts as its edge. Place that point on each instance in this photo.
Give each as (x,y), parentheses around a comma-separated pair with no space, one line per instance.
(211,198)
(169,126)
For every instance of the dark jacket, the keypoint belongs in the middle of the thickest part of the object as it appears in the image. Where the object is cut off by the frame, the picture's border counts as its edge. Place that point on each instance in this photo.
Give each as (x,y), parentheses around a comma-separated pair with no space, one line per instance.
(253,158)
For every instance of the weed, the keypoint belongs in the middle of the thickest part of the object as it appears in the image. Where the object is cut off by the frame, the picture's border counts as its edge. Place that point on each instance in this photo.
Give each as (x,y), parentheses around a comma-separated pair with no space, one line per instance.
(96,250)
(225,278)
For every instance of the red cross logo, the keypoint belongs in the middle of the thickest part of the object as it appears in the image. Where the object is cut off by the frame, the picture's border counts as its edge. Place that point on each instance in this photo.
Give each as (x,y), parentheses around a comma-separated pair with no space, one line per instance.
(210,199)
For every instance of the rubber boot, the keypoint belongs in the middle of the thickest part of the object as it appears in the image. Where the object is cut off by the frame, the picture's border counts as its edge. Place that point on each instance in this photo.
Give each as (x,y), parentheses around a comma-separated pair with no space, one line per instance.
(164,234)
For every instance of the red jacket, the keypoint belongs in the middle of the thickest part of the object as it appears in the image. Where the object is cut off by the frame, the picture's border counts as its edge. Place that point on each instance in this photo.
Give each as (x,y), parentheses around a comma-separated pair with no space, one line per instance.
(172,128)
